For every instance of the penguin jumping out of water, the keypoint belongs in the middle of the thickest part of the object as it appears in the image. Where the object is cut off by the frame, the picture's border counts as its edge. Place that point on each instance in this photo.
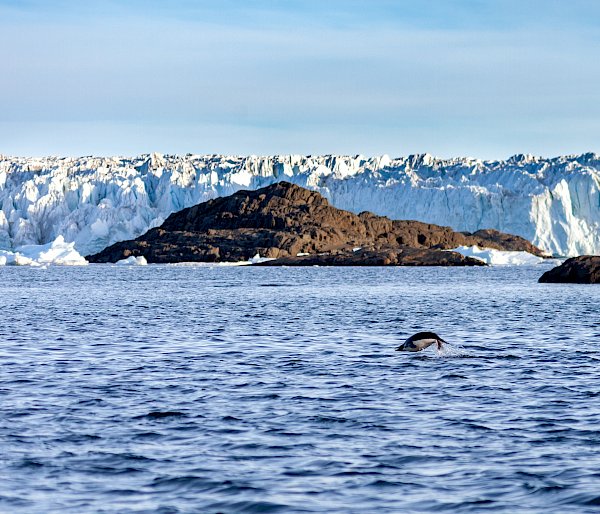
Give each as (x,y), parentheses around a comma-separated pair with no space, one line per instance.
(421,341)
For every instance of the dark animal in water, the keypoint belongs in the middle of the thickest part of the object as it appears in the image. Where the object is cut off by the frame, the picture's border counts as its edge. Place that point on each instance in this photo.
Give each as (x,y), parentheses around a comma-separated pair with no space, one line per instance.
(421,341)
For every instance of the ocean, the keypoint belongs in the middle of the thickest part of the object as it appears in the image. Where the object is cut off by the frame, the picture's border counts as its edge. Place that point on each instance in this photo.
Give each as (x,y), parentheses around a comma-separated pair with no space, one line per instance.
(174,389)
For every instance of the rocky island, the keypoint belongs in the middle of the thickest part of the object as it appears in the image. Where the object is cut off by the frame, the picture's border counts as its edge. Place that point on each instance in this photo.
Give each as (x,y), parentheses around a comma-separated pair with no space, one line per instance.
(584,269)
(297,226)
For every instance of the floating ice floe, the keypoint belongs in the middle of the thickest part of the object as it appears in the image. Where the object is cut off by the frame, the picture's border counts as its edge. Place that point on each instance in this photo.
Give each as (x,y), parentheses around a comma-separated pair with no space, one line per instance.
(254,260)
(133,261)
(57,252)
(258,259)
(499,257)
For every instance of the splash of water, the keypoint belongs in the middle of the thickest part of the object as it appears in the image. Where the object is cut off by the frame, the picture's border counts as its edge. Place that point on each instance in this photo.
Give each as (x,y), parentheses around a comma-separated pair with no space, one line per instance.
(450,350)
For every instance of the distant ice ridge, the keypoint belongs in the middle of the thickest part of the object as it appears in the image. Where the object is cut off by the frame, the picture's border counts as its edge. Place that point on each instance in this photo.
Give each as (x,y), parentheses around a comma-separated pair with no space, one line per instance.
(96,201)
(499,257)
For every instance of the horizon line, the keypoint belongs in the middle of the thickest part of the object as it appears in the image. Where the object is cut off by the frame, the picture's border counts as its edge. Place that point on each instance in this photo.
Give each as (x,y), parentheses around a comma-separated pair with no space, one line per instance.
(528,155)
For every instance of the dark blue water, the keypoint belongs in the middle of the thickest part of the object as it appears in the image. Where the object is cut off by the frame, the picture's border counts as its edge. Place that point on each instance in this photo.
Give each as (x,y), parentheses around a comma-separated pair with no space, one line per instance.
(180,390)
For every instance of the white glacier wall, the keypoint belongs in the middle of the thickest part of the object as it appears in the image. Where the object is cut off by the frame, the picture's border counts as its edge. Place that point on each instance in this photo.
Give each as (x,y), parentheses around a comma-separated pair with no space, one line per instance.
(96,201)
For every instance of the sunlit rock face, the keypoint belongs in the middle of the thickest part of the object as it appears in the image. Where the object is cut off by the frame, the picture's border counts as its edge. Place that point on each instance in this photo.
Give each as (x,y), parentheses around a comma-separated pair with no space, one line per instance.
(97,201)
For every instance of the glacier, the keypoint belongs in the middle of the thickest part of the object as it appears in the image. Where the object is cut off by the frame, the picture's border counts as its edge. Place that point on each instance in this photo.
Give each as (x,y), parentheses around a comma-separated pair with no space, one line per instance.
(96,201)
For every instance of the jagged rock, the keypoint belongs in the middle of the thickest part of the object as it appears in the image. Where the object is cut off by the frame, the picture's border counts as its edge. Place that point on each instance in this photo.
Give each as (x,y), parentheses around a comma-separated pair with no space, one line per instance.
(577,270)
(283,220)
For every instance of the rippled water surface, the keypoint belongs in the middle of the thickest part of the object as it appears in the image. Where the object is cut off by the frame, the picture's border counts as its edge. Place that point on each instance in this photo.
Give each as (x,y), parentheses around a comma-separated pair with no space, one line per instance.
(189,389)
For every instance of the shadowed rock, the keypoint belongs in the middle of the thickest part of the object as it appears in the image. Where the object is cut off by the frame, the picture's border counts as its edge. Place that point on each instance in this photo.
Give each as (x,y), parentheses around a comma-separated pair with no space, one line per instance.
(577,270)
(383,257)
(283,220)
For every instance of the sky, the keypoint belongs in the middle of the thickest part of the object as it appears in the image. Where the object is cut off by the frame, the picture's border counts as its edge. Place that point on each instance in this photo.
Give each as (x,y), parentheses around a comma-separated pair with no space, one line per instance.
(479,78)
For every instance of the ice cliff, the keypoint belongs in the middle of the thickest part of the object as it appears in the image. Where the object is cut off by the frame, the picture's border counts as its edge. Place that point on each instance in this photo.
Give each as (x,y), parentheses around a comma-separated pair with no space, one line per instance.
(96,201)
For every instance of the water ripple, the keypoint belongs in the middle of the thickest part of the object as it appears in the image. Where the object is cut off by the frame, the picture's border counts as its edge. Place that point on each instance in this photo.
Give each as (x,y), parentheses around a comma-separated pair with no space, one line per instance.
(181,390)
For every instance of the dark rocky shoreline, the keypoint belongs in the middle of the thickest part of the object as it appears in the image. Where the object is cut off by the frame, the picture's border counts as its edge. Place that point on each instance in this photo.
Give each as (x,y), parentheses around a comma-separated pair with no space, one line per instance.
(584,269)
(284,220)
(383,257)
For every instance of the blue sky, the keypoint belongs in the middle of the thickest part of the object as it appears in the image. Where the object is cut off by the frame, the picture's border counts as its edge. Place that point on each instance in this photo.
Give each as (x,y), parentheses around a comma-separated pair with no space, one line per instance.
(453,78)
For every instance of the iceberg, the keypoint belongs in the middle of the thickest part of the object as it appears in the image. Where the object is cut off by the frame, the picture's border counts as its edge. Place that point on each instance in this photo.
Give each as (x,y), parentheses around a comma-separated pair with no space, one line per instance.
(258,259)
(133,261)
(97,201)
(58,252)
(499,257)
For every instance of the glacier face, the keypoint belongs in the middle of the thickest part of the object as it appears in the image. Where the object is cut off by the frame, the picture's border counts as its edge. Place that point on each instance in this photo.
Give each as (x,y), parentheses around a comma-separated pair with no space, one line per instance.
(96,201)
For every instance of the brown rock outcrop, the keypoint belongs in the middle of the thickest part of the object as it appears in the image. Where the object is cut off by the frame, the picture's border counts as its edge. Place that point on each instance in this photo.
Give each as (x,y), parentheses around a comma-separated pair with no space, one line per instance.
(577,270)
(383,257)
(283,220)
